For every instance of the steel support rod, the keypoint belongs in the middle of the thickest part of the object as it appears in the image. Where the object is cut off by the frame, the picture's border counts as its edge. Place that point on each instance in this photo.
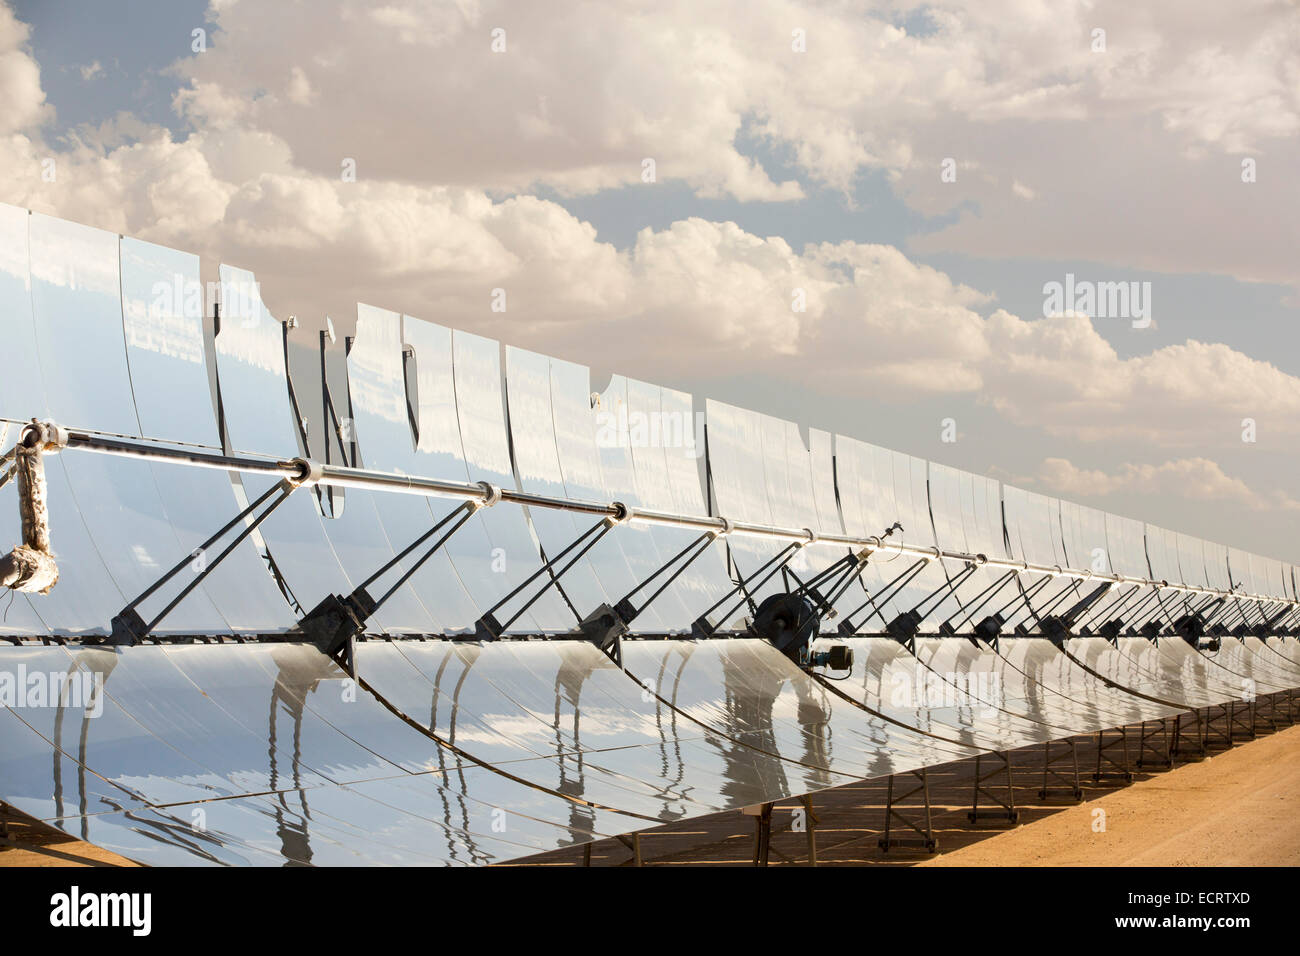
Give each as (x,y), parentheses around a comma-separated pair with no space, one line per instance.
(345,477)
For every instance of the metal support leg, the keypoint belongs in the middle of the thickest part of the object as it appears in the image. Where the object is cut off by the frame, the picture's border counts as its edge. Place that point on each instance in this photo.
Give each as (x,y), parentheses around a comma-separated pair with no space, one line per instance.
(763,835)
(1121,766)
(1072,781)
(1220,721)
(1239,715)
(1269,717)
(1006,808)
(633,843)
(926,839)
(763,848)
(1165,757)
(1201,734)
(810,826)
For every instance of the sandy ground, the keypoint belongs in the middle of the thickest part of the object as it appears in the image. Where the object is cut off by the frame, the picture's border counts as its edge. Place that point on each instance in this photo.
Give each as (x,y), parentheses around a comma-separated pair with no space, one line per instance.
(1238,807)
(61,850)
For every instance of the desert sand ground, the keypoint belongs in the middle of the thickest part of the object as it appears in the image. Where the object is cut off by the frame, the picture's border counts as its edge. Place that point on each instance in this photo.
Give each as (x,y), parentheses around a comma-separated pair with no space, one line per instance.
(1240,806)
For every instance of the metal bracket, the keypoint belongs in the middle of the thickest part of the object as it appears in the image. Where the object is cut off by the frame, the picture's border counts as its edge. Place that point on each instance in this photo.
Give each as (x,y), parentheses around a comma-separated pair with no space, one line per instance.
(1059,627)
(989,629)
(128,628)
(848,628)
(1111,630)
(334,624)
(489,628)
(1055,629)
(606,626)
(904,628)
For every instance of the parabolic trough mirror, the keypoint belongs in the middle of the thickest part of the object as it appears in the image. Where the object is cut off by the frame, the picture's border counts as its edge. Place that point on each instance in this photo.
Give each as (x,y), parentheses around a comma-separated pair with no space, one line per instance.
(530,615)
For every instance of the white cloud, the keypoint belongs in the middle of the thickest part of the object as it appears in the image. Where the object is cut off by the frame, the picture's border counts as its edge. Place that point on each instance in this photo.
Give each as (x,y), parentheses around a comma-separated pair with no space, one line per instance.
(1063,375)
(582,94)
(1150,131)
(1190,479)
(299,91)
(695,298)
(20,78)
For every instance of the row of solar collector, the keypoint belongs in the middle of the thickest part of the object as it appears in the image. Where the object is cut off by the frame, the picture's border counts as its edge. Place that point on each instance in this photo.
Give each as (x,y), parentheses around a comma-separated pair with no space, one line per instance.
(96,341)
(540,744)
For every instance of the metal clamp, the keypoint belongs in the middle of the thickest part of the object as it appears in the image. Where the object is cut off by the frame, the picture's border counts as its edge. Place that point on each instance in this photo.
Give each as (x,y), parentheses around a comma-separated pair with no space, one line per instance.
(49,437)
(309,472)
(491,494)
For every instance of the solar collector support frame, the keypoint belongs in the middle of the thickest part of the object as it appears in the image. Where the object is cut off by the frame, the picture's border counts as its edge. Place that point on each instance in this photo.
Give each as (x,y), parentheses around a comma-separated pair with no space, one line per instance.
(785,516)
(342,476)
(425,486)
(299,466)
(336,622)
(346,477)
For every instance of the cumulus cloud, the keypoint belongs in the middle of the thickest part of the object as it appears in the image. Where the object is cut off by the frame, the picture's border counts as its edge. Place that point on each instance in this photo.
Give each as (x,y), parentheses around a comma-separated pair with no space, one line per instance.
(590,90)
(20,78)
(1151,125)
(1062,374)
(688,299)
(489,95)
(1054,140)
(1190,479)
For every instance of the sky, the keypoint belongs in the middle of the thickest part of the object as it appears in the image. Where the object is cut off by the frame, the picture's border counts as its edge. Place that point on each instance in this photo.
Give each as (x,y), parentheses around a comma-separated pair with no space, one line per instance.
(849,215)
